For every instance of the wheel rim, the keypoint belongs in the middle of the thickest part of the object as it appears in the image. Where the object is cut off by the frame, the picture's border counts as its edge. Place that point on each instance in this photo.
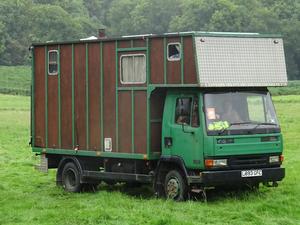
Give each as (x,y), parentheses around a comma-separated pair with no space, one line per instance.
(173,188)
(70,178)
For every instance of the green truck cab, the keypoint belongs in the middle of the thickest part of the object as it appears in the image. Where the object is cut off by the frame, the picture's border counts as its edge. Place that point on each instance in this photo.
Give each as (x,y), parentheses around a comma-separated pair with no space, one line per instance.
(179,111)
(218,147)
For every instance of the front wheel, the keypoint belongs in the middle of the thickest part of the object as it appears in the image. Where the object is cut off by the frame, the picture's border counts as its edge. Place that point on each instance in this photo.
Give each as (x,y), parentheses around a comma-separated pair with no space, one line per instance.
(175,186)
(71,178)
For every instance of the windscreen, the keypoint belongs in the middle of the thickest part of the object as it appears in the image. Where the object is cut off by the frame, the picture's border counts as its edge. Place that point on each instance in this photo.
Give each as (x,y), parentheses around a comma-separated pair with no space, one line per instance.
(239,111)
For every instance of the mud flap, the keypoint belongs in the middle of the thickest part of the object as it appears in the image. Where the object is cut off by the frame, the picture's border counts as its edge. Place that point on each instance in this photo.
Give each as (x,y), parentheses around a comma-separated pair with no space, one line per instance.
(43,166)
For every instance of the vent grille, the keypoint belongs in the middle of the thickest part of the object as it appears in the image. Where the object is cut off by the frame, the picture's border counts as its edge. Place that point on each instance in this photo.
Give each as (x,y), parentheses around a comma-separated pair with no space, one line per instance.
(238,162)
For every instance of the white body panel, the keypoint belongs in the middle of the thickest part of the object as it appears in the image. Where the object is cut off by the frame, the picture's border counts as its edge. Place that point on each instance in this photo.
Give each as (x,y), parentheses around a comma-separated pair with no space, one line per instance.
(240,61)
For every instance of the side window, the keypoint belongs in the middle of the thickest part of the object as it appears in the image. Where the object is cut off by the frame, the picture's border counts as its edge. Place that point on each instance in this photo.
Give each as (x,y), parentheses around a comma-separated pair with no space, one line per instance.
(256,108)
(195,113)
(52,62)
(183,111)
(133,69)
(174,51)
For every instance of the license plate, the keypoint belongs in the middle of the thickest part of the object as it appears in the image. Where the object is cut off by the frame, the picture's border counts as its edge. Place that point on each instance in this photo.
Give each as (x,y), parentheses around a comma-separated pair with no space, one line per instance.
(251,173)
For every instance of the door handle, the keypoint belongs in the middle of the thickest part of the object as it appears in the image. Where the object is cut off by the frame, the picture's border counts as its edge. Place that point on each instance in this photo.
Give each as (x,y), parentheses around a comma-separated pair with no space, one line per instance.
(168,142)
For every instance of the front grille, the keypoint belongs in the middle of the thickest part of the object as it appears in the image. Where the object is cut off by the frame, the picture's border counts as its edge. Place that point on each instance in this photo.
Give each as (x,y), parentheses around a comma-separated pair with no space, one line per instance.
(241,162)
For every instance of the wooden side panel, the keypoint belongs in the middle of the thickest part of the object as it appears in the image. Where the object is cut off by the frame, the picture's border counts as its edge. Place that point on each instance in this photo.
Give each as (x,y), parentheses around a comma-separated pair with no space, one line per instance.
(39,96)
(66,95)
(80,96)
(125,121)
(190,72)
(173,67)
(124,44)
(157,61)
(139,43)
(109,84)
(53,108)
(140,122)
(94,96)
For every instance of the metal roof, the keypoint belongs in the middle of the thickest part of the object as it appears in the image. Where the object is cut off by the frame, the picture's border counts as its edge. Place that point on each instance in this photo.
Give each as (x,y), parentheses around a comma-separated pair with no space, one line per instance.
(173,34)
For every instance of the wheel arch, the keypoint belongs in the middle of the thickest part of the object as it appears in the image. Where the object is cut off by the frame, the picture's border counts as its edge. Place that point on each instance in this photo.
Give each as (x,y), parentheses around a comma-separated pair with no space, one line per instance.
(167,163)
(62,163)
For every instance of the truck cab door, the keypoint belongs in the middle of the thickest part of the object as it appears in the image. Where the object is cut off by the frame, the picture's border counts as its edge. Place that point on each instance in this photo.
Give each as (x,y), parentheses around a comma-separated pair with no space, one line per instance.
(182,134)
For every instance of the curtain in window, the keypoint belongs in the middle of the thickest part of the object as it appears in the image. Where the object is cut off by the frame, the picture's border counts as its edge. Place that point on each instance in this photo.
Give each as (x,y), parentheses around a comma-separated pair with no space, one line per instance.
(134,69)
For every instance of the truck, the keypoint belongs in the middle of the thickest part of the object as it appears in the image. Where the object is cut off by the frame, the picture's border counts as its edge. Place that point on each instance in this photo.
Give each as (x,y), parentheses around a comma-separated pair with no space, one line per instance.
(179,111)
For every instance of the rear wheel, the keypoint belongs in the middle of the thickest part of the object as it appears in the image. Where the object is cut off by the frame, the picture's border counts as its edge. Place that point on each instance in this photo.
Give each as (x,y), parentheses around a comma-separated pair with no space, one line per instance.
(71,178)
(175,186)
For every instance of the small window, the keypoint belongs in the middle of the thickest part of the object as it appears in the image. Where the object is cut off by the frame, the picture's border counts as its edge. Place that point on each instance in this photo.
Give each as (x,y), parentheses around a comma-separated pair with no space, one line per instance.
(183,111)
(133,69)
(174,51)
(53,62)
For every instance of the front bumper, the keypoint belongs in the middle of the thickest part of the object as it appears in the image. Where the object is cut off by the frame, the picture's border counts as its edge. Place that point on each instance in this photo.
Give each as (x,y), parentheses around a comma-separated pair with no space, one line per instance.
(233,177)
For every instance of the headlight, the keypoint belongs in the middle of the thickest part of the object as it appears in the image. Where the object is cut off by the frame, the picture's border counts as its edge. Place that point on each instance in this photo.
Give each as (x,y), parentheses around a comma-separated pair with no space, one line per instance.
(274,159)
(209,163)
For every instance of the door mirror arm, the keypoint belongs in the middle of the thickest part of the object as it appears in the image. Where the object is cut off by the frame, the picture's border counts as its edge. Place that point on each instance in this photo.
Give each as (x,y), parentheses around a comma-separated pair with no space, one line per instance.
(186,129)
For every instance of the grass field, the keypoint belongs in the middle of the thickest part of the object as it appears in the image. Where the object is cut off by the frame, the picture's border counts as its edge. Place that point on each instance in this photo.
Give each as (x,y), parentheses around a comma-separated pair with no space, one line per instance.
(15,80)
(30,197)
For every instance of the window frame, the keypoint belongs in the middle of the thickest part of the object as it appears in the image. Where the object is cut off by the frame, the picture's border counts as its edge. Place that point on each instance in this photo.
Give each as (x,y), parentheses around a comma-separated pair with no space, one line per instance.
(192,111)
(191,107)
(121,68)
(57,62)
(180,49)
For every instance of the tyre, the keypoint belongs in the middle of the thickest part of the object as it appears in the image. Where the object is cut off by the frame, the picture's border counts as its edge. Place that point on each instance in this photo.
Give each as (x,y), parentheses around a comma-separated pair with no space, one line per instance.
(71,178)
(175,186)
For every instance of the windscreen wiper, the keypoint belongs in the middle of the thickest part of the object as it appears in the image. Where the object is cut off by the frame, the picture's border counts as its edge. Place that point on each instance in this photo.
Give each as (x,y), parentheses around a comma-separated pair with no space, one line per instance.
(246,122)
(259,124)
(238,123)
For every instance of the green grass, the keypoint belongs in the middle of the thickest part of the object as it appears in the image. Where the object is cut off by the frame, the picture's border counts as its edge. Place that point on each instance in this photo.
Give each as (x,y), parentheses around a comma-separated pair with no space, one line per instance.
(30,197)
(15,80)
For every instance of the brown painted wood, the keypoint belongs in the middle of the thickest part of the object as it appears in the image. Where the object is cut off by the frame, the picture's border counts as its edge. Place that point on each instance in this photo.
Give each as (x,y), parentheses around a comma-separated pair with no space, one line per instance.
(124,44)
(109,98)
(80,96)
(39,96)
(53,108)
(139,42)
(140,121)
(157,61)
(173,67)
(94,96)
(190,73)
(125,120)
(109,84)
(66,95)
